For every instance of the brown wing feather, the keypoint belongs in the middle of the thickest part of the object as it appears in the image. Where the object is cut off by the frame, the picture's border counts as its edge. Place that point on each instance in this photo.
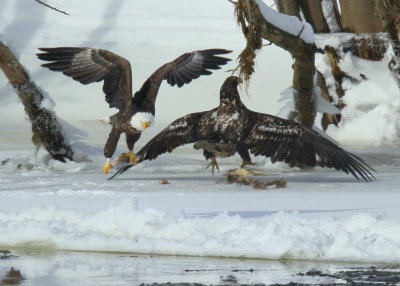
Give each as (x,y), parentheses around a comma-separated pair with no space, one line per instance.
(180,132)
(190,66)
(292,143)
(180,71)
(88,65)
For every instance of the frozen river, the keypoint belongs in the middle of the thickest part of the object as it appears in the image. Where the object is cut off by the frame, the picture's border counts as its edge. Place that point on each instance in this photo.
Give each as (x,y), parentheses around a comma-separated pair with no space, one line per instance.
(59,268)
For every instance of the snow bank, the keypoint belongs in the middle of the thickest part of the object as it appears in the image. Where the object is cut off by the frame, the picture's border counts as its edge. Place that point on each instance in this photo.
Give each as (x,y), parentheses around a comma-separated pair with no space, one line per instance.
(372,106)
(371,116)
(124,228)
(41,162)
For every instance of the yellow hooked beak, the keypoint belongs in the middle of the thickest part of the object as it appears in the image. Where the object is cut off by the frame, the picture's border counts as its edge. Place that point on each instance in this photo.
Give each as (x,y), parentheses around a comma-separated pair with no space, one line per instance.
(145,124)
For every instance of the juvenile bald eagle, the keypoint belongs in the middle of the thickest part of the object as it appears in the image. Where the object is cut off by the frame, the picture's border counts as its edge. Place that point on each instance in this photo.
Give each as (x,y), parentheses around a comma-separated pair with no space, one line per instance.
(136,113)
(262,134)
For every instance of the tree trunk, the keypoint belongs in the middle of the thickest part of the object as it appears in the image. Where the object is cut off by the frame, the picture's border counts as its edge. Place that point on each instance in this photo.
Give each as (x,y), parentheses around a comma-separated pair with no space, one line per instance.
(312,11)
(327,118)
(388,12)
(47,132)
(358,16)
(302,52)
(290,7)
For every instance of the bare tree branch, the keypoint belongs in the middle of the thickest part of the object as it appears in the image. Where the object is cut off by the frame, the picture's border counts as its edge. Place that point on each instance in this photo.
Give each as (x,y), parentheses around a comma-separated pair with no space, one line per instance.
(53,8)
(46,129)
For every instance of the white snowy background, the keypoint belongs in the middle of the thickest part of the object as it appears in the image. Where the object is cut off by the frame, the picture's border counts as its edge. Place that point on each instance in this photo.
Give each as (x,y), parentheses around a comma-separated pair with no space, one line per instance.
(320,215)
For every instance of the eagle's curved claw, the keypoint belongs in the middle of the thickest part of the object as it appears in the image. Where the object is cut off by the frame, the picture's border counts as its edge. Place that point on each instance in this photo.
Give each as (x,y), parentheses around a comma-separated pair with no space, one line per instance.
(213,164)
(107,167)
(132,158)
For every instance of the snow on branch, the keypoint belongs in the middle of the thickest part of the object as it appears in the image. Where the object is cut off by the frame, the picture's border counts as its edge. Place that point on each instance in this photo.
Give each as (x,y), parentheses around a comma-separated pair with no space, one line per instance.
(329,14)
(289,24)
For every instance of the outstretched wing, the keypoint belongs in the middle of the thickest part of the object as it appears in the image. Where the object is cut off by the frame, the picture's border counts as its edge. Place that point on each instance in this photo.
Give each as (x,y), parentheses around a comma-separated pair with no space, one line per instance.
(190,66)
(180,132)
(181,71)
(88,65)
(292,143)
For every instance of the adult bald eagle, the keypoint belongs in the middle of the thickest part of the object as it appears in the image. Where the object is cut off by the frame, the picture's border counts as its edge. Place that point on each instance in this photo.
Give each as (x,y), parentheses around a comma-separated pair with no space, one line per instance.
(231,123)
(136,113)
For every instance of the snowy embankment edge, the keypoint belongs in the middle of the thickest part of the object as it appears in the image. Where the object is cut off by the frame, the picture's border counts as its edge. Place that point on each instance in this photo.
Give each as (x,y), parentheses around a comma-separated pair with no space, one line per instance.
(361,237)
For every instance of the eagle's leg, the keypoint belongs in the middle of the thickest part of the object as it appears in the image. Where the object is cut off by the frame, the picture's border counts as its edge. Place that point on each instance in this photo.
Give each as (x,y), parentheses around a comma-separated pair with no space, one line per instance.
(110,147)
(213,164)
(131,157)
(245,155)
(131,139)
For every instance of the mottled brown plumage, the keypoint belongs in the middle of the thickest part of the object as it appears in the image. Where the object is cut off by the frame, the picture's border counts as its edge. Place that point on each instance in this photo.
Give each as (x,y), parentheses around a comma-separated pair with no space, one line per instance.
(88,65)
(262,134)
(213,150)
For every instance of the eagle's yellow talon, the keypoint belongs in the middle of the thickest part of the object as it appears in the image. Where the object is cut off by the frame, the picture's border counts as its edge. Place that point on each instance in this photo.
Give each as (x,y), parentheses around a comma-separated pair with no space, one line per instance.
(107,167)
(132,157)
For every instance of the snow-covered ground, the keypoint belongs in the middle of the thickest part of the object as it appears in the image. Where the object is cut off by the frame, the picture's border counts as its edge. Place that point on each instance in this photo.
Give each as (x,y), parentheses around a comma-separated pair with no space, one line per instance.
(322,215)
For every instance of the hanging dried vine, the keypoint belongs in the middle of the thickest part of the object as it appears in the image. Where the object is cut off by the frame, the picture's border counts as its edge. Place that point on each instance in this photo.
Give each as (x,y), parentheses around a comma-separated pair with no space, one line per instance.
(255,28)
(252,32)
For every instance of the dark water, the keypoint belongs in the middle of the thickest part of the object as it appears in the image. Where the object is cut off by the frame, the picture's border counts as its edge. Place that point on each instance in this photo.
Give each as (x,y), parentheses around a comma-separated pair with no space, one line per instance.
(23,267)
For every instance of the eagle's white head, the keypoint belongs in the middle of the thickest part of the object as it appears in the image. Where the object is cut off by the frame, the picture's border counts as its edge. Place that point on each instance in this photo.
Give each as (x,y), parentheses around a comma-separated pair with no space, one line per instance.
(142,120)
